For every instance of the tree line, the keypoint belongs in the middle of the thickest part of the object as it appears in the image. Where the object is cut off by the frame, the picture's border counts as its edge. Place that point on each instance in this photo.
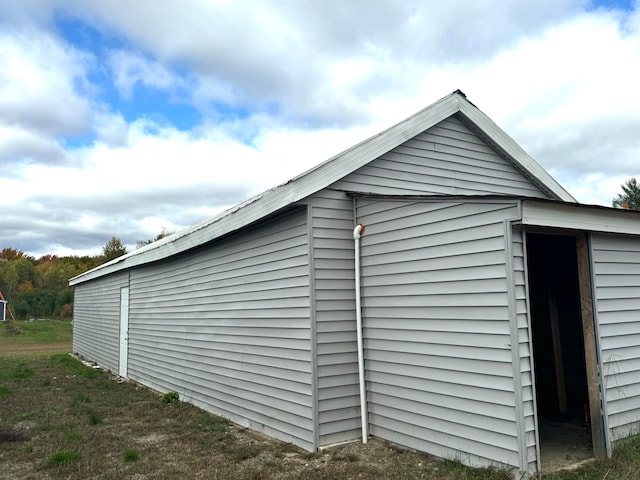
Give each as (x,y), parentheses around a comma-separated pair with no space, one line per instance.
(39,287)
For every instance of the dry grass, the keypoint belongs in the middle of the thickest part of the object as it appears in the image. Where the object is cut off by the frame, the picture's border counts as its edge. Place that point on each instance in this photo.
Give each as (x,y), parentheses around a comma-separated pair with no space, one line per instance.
(60,419)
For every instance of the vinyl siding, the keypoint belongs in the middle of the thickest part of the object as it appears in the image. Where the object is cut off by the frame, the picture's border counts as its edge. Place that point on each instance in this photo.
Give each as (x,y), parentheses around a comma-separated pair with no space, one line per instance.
(437,329)
(96,320)
(447,159)
(525,354)
(337,358)
(227,326)
(616,263)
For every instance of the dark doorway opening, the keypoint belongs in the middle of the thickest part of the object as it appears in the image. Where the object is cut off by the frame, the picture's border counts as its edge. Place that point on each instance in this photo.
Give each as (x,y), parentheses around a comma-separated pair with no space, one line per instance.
(558,350)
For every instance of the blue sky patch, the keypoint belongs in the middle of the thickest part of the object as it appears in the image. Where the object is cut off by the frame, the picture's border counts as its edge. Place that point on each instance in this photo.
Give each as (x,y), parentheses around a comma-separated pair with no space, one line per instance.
(164,107)
(624,5)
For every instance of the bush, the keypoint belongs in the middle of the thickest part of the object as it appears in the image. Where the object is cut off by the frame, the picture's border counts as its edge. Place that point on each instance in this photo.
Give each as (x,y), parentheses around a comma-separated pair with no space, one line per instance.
(66,311)
(171,397)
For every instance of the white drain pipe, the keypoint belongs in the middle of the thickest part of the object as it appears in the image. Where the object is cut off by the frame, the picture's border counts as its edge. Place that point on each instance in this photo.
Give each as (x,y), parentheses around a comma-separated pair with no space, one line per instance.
(357,233)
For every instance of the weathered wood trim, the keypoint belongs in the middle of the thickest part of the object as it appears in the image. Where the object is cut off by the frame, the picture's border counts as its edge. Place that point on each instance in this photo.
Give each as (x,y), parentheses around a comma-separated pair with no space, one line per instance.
(557,351)
(591,357)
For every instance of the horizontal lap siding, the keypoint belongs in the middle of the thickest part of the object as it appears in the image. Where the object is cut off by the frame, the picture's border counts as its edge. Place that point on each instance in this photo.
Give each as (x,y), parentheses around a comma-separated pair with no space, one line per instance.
(227,326)
(616,261)
(526,373)
(447,159)
(337,358)
(96,320)
(437,335)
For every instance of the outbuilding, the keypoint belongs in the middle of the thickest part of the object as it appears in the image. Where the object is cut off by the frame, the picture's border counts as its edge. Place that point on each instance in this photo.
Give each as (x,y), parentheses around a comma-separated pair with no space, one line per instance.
(432,286)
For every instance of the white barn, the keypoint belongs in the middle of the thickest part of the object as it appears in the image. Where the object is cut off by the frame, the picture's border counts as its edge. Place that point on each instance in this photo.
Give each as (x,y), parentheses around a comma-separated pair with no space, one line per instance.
(491,302)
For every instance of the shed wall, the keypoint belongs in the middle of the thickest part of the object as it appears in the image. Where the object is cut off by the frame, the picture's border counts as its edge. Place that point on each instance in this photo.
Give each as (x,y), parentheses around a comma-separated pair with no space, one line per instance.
(337,357)
(616,265)
(447,159)
(96,320)
(227,326)
(437,331)
(524,349)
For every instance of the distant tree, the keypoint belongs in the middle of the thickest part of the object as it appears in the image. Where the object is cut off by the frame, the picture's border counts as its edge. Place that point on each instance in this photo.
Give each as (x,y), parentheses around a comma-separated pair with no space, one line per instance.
(114,248)
(163,233)
(40,288)
(9,253)
(16,275)
(47,259)
(630,196)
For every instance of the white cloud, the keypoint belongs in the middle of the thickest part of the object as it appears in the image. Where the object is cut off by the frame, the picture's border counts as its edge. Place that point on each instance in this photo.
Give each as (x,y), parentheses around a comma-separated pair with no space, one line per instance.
(19,146)
(283,86)
(130,69)
(39,82)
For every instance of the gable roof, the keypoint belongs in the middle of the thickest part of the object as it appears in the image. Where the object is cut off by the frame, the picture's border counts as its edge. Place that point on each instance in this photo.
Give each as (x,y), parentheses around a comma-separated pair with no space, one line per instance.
(332,170)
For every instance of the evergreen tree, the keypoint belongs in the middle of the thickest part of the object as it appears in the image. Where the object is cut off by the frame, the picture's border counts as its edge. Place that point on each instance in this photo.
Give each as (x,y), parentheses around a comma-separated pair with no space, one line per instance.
(630,196)
(114,248)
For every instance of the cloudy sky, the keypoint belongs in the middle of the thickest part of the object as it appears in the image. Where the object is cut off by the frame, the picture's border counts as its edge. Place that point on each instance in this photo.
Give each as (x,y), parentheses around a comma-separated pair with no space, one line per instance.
(124,118)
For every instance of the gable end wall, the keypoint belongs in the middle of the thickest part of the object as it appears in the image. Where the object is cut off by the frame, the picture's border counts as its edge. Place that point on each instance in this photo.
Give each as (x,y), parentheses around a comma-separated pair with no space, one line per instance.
(447,159)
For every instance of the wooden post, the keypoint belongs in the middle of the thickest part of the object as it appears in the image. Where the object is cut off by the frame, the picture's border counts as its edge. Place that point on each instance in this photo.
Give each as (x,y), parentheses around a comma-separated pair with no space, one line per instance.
(557,352)
(591,359)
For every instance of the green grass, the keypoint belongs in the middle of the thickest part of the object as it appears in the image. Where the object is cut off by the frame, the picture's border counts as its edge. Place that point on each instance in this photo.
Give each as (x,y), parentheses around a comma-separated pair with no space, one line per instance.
(17,373)
(5,392)
(73,436)
(131,456)
(171,397)
(63,457)
(74,366)
(95,419)
(39,331)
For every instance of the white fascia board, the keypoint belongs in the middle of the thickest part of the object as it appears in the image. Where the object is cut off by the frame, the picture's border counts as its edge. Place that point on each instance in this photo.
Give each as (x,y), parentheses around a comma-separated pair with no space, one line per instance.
(580,217)
(515,151)
(286,194)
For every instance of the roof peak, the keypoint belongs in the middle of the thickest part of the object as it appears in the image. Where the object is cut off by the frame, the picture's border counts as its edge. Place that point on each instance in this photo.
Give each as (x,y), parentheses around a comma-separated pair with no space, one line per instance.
(329,172)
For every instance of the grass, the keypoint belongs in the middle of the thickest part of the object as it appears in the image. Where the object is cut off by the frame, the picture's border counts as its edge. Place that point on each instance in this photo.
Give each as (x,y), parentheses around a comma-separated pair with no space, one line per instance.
(80,423)
(62,457)
(38,331)
(65,420)
(37,338)
(131,456)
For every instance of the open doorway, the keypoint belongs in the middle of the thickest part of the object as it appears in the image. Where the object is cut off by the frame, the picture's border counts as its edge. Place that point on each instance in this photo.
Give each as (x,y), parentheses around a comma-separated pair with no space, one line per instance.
(562,392)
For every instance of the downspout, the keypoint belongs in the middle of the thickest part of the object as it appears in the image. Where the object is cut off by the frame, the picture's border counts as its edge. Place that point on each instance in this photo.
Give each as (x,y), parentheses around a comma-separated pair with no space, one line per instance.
(357,233)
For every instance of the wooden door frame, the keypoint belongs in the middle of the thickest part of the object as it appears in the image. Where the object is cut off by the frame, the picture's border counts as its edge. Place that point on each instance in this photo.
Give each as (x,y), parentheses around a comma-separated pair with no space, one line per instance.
(590,340)
(585,286)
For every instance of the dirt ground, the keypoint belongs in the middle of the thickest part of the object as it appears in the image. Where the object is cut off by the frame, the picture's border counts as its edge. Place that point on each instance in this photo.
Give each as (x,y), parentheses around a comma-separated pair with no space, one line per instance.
(563,445)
